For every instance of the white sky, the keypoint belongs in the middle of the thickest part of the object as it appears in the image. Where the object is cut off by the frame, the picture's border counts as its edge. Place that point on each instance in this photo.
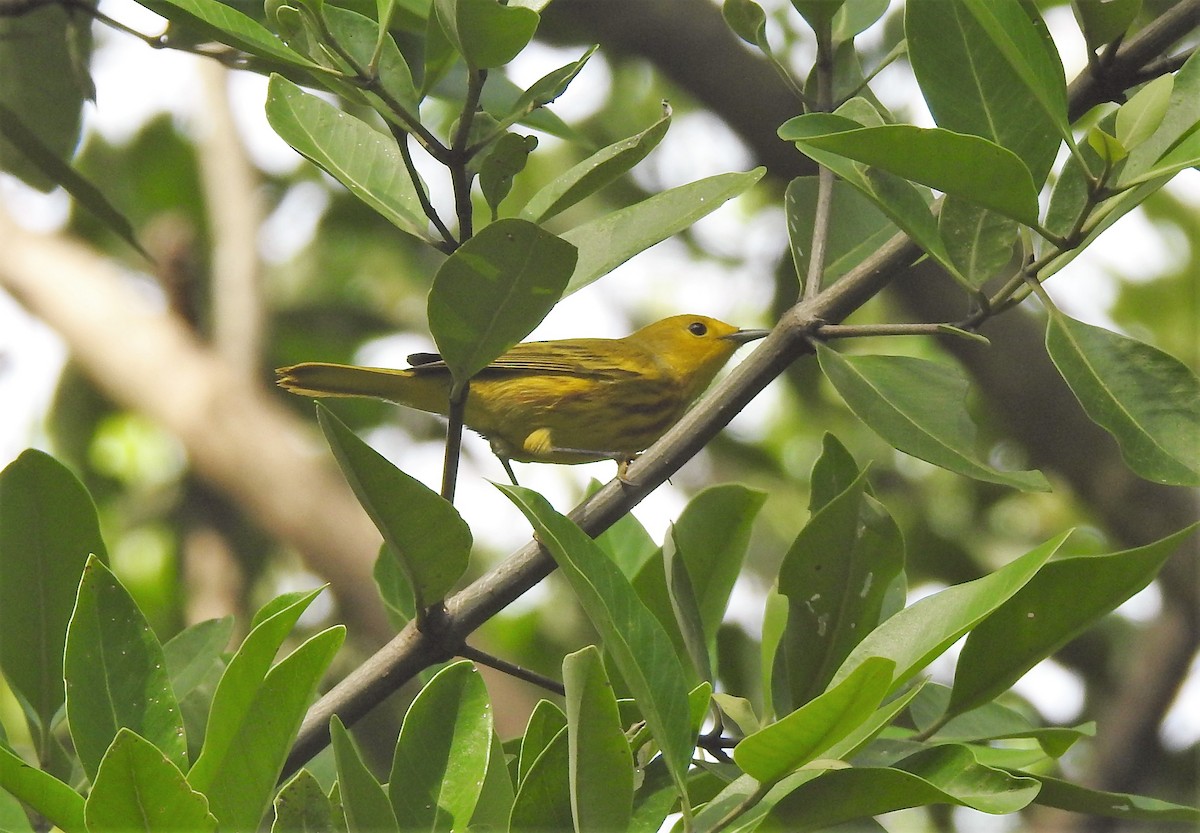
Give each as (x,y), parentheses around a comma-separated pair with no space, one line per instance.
(135,83)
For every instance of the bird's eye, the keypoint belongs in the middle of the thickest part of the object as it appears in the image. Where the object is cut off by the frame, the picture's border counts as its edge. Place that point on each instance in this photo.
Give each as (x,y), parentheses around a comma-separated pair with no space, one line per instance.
(697,328)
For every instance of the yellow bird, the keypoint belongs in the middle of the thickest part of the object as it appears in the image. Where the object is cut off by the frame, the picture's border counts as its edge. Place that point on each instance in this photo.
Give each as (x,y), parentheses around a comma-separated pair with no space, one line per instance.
(576,400)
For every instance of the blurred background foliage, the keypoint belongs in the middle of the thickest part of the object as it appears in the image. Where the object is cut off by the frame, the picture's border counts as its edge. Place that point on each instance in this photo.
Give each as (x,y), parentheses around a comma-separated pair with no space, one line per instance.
(340,284)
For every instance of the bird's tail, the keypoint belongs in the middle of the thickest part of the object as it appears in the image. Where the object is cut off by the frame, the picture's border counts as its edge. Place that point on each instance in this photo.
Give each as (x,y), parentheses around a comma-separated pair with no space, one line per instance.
(322,379)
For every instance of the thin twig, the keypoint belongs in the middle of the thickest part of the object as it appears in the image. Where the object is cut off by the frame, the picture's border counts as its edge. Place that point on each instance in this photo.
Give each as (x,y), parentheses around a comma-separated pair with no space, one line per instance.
(512,670)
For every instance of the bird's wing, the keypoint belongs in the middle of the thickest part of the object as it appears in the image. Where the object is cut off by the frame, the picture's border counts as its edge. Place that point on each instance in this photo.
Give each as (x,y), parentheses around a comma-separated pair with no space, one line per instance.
(584,358)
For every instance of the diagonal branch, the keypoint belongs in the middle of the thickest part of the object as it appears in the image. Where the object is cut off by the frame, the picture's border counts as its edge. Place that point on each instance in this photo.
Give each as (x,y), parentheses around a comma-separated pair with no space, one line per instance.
(412,650)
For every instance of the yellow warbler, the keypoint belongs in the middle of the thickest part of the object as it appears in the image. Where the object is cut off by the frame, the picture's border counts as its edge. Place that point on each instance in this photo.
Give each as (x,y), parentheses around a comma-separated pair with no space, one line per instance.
(577,400)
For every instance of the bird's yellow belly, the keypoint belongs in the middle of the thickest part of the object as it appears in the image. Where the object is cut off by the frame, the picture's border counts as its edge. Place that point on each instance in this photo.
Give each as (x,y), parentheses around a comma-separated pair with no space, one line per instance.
(561,419)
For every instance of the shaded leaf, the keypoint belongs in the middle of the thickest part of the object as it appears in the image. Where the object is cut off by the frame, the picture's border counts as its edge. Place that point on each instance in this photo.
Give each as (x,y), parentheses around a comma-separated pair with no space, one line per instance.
(494,290)
(442,754)
(139,788)
(44,53)
(48,526)
(632,637)
(922,631)
(193,652)
(972,87)
(857,227)
(978,240)
(593,173)
(543,800)
(51,798)
(423,529)
(967,166)
(302,806)
(1148,400)
(1035,622)
(357,155)
(802,736)
(601,765)
(365,802)
(1065,795)
(919,407)
(115,675)
(486,33)
(835,577)
(610,240)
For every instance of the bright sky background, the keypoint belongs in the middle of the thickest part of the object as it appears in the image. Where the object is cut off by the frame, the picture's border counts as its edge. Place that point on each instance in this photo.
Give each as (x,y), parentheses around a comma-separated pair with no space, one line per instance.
(135,83)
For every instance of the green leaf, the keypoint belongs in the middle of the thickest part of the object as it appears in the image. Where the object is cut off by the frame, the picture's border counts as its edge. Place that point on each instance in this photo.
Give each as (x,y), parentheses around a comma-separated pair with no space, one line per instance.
(223,23)
(1138,118)
(494,290)
(543,800)
(857,227)
(1177,125)
(610,240)
(495,803)
(13,818)
(919,407)
(855,17)
(628,544)
(1021,40)
(40,158)
(896,197)
(425,531)
(552,85)
(44,793)
(253,699)
(832,474)
(1064,795)
(991,721)
(394,587)
(193,652)
(818,13)
(486,33)
(967,166)
(684,609)
(139,788)
(924,630)
(442,753)
(545,722)
(811,730)
(972,86)
(506,159)
(711,536)
(601,765)
(302,806)
(1103,22)
(835,577)
(1148,400)
(978,240)
(593,173)
(115,674)
(48,526)
(1035,621)
(943,775)
(44,56)
(358,35)
(357,155)
(364,800)
(747,20)
(631,635)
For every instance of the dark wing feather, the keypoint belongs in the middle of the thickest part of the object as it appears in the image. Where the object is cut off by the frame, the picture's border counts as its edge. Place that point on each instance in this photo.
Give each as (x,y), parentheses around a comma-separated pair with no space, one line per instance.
(583,358)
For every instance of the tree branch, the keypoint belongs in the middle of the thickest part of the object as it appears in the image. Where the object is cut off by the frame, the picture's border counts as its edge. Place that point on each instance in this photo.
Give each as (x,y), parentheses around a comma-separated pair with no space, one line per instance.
(236,437)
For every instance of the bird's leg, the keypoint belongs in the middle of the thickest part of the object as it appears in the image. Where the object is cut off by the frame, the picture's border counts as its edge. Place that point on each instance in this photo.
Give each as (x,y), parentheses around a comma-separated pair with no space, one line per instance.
(508,469)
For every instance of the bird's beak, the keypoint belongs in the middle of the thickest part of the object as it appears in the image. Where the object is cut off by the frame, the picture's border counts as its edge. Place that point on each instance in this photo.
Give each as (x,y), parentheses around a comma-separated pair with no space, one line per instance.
(743,336)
